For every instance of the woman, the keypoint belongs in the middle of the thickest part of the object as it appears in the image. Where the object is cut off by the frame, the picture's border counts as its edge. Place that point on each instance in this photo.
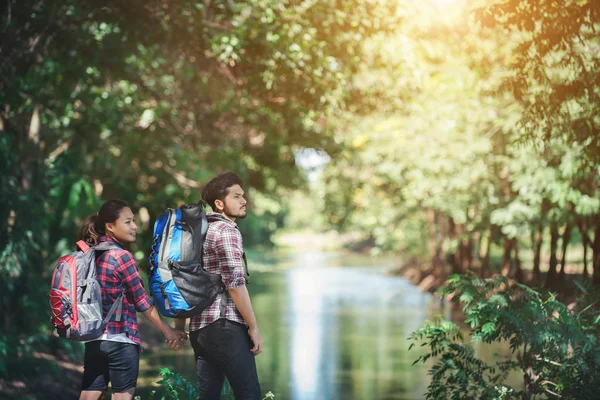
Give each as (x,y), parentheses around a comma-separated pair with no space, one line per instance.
(114,357)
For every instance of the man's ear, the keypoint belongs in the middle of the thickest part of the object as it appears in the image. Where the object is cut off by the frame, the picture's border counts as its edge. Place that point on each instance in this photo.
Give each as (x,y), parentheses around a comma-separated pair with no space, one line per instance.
(220,205)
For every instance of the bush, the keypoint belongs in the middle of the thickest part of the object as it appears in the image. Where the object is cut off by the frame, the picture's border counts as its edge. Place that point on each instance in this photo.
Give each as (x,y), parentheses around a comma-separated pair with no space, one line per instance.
(554,347)
(175,387)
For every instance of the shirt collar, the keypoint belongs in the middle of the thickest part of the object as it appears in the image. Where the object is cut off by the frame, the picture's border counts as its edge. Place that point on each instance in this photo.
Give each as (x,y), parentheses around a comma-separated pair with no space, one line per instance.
(110,239)
(213,216)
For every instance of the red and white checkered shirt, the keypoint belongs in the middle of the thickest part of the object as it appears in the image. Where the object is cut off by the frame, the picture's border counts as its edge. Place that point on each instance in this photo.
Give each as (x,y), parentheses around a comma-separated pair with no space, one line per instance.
(118,273)
(222,254)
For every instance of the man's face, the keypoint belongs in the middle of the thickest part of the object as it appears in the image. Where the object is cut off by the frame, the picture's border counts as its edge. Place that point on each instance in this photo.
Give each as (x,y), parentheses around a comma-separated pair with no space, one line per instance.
(234,205)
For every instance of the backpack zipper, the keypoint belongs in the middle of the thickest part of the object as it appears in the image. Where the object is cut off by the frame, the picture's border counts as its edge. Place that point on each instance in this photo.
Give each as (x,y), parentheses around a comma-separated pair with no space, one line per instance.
(165,234)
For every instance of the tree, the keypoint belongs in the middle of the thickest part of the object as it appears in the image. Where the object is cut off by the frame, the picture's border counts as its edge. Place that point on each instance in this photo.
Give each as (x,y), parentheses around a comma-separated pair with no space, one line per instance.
(144,101)
(553,347)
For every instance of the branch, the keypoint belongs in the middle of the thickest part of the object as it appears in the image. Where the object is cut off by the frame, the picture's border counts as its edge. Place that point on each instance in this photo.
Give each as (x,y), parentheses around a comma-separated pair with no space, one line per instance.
(58,151)
(548,390)
(181,179)
(589,306)
(34,126)
(548,361)
(226,72)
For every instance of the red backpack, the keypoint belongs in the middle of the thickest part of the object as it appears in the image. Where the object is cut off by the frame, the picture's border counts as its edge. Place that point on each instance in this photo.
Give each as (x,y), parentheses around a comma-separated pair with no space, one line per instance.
(75,296)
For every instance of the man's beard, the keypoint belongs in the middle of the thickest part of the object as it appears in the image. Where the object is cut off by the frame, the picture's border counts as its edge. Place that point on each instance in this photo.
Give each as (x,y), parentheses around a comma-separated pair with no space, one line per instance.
(240,214)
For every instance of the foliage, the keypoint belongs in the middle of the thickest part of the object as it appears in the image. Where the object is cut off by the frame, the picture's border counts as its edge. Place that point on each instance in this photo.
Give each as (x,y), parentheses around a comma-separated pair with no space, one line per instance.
(555,68)
(175,387)
(464,151)
(145,101)
(423,147)
(555,348)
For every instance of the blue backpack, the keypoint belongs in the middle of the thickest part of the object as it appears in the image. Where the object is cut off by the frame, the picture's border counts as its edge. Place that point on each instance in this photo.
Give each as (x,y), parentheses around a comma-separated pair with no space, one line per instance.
(179,284)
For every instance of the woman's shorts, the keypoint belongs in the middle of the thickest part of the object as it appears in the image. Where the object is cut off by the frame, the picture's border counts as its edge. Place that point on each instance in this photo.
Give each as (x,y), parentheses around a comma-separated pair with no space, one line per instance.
(114,362)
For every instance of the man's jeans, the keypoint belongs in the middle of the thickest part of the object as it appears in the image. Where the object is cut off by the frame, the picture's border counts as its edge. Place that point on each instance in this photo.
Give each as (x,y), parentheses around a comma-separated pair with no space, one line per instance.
(222,350)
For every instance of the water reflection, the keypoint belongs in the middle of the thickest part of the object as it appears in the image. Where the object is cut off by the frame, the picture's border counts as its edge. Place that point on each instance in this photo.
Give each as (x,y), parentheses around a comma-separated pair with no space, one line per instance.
(348,334)
(331,332)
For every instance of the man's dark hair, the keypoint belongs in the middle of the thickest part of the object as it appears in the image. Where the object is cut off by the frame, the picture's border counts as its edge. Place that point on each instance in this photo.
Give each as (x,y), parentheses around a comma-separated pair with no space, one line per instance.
(218,188)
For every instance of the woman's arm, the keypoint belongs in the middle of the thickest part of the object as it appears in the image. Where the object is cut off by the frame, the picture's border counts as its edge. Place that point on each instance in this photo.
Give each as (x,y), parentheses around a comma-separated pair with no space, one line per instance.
(173,337)
(129,276)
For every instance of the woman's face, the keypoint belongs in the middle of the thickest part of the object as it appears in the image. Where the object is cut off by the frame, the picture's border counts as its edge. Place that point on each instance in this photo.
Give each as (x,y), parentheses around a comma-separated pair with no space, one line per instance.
(124,228)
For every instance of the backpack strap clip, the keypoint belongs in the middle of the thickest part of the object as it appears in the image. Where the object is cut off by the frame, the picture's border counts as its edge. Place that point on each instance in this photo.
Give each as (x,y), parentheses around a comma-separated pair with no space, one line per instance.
(117,308)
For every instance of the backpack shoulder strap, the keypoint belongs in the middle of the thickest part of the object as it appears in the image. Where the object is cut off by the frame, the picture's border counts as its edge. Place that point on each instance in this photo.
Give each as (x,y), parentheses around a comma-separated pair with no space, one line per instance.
(83,246)
(117,306)
(245,264)
(211,218)
(107,246)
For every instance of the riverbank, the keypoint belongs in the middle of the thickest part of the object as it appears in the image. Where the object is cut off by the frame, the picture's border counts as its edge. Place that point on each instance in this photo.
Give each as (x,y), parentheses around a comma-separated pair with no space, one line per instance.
(568,292)
(42,375)
(53,371)
(418,272)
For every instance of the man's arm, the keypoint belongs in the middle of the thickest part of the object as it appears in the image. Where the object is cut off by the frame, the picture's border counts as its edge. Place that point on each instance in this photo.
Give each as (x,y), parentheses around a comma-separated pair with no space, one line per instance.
(180,323)
(230,251)
(241,298)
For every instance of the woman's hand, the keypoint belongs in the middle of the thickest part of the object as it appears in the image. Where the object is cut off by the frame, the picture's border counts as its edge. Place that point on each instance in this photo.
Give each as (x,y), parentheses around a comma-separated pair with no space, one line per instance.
(175,338)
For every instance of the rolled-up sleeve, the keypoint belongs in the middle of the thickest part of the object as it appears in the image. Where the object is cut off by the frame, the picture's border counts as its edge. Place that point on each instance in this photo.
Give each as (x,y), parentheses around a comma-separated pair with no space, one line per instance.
(129,276)
(230,249)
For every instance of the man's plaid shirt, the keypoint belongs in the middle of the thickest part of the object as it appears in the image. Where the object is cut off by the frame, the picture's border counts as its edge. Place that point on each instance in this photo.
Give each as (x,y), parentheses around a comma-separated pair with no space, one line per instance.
(118,273)
(222,254)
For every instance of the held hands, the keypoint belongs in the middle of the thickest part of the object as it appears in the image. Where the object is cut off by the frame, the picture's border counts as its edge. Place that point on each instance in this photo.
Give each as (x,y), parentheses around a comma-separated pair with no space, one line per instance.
(256,340)
(175,338)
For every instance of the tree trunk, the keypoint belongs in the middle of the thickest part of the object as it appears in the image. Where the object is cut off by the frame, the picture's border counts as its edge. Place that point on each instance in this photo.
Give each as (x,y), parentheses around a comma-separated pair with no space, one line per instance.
(538,242)
(478,240)
(585,239)
(551,276)
(518,270)
(596,251)
(433,243)
(506,258)
(462,250)
(530,378)
(454,258)
(485,261)
(537,253)
(468,254)
(565,244)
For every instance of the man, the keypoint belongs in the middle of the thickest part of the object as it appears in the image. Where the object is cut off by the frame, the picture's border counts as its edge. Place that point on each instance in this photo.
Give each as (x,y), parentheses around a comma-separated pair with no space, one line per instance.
(225,336)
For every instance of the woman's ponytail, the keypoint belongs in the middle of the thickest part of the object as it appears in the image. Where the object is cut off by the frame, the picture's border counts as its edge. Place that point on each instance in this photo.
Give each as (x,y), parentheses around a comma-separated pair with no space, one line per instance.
(89,233)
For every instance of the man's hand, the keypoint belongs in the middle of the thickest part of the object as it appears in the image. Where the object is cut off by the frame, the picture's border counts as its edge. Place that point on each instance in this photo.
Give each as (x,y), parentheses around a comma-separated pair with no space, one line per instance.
(256,340)
(175,338)
(183,336)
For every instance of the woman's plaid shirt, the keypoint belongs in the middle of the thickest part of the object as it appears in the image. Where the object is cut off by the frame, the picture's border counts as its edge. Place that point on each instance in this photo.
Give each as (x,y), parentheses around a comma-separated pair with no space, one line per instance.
(118,273)
(222,254)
